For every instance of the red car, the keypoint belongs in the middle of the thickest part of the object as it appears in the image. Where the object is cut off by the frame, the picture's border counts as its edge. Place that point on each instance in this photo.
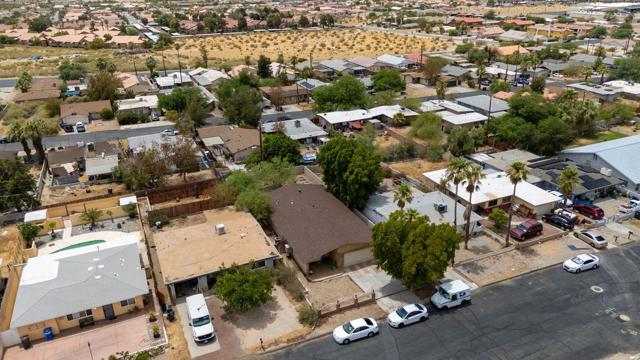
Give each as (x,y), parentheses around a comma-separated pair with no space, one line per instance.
(591,211)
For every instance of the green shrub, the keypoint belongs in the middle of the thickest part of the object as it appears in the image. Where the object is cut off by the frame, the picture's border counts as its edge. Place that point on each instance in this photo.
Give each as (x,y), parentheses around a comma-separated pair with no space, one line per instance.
(155,218)
(307,315)
(131,118)
(106,114)
(131,210)
(286,278)
(499,217)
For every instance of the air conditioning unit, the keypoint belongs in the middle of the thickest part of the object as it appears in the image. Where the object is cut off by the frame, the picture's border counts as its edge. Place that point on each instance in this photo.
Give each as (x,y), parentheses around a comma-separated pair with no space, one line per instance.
(605,171)
(220,229)
(288,250)
(440,207)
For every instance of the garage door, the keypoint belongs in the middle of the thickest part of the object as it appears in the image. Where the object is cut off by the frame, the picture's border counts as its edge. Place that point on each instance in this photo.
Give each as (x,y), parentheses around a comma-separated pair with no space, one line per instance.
(357,257)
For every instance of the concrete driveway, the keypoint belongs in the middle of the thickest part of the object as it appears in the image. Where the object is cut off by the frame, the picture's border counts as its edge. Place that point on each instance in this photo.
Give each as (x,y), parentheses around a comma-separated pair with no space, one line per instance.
(390,293)
(195,349)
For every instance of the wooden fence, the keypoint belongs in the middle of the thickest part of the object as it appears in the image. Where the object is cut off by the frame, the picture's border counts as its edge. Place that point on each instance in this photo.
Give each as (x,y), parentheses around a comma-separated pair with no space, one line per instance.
(186,208)
(347,303)
(178,191)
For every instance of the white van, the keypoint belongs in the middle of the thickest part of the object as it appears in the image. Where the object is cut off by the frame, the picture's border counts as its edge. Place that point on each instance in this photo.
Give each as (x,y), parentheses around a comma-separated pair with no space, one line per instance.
(199,319)
(451,293)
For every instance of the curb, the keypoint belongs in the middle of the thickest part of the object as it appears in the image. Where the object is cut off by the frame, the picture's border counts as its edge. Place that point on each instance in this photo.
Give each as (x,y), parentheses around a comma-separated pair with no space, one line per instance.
(519,275)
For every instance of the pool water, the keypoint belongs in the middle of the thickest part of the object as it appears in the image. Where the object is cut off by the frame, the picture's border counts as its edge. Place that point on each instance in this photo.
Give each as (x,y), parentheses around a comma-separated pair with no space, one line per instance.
(79,245)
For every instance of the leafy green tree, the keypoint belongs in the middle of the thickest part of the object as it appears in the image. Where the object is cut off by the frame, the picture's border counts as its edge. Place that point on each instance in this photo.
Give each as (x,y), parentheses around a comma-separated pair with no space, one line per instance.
(388,80)
(412,250)
(538,83)
(24,81)
(281,146)
(463,48)
(17,133)
(477,56)
(402,195)
(616,111)
(381,98)
(264,67)
(241,106)
(345,93)
(39,24)
(243,289)
(238,182)
(182,155)
(326,20)
(351,171)
(151,65)
(441,89)
(197,109)
(433,67)
(517,173)
(103,86)
(179,98)
(303,22)
(105,65)
(498,217)
(71,71)
(275,172)
(498,86)
(598,32)
(530,106)
(255,202)
(36,129)
(91,216)
(145,170)
(567,182)
(28,232)
(428,127)
(626,69)
(17,186)
(411,103)
(623,31)
(550,136)
(463,141)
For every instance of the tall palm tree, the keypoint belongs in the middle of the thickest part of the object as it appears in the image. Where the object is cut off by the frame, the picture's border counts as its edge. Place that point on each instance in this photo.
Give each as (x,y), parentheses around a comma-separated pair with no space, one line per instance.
(441,89)
(602,69)
(473,177)
(91,216)
(402,195)
(455,175)
(567,181)
(481,72)
(177,46)
(36,129)
(17,133)
(517,173)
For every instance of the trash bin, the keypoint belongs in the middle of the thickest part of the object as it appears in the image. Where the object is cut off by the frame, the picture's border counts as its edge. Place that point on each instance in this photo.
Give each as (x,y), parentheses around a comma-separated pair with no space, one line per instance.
(26,342)
(48,334)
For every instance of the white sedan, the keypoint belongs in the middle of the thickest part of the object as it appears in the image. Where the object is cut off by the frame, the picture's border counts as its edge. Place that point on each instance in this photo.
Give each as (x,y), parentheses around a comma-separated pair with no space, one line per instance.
(581,262)
(355,330)
(408,314)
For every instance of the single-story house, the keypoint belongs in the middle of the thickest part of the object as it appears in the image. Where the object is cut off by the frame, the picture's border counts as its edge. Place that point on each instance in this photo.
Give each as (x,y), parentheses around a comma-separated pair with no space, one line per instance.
(192,256)
(337,66)
(41,89)
(484,104)
(79,287)
(229,140)
(515,35)
(302,130)
(141,143)
(601,92)
(618,158)
(467,120)
(344,119)
(207,78)
(85,112)
(386,113)
(554,66)
(66,166)
(495,190)
(370,65)
(398,62)
(141,104)
(311,84)
(504,51)
(460,74)
(629,89)
(173,79)
(589,60)
(285,95)
(318,228)
(436,205)
(138,84)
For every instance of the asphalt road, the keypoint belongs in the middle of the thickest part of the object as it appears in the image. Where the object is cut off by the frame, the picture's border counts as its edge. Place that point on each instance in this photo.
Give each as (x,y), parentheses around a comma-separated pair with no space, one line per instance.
(549,314)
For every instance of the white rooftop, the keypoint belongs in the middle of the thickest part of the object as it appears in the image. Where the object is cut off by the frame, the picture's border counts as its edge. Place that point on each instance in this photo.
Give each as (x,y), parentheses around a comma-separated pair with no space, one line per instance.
(497,186)
(628,87)
(100,165)
(77,279)
(451,106)
(296,129)
(428,106)
(337,117)
(37,215)
(462,119)
(128,200)
(140,101)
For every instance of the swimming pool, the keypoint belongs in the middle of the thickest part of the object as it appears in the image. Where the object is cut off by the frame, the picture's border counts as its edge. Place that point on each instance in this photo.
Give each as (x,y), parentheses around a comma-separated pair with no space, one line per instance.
(79,245)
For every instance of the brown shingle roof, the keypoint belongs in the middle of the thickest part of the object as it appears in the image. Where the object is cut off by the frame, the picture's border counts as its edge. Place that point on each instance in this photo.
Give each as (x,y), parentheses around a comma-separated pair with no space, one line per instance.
(235,138)
(83,108)
(314,222)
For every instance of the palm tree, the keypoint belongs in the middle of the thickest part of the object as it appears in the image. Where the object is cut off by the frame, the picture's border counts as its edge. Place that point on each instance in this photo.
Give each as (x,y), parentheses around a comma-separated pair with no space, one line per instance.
(110,213)
(17,133)
(52,226)
(602,69)
(402,195)
(151,65)
(473,177)
(177,46)
(411,214)
(481,72)
(455,175)
(517,173)
(567,181)
(441,89)
(91,216)
(36,129)
(587,72)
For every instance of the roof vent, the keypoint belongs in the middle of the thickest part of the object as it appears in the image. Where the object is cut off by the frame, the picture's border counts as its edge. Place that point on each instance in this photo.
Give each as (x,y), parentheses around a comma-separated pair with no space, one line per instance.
(297,123)
(220,229)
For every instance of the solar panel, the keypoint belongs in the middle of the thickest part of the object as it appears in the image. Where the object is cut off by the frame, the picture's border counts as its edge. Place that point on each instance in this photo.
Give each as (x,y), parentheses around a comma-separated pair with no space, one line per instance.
(596,183)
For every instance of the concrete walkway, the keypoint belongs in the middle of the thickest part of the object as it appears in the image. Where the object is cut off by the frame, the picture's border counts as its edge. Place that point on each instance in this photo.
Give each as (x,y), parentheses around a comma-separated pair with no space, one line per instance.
(390,293)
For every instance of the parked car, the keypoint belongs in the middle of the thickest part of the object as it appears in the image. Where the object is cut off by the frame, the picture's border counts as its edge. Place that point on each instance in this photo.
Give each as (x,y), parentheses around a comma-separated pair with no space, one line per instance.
(581,262)
(568,214)
(355,330)
(484,84)
(561,196)
(589,210)
(631,207)
(558,221)
(526,230)
(407,315)
(450,294)
(596,240)
(557,75)
(199,319)
(154,116)
(169,132)
(3,140)
(80,127)
(68,128)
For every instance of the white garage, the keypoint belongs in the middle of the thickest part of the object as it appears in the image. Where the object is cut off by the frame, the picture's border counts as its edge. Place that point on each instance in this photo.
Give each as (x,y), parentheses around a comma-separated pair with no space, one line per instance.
(358,257)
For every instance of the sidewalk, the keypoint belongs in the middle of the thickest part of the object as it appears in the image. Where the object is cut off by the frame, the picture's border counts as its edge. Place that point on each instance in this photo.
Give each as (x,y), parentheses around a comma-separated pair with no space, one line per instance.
(390,293)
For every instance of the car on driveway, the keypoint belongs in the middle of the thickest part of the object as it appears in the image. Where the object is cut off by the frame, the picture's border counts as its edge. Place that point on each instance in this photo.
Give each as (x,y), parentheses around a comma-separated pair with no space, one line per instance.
(558,221)
(526,230)
(589,210)
(632,206)
(80,127)
(169,132)
(407,315)
(355,330)
(595,240)
(581,262)
(561,196)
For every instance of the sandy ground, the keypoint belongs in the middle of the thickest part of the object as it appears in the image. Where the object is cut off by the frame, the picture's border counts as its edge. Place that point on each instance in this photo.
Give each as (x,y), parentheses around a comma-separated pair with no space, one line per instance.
(10,250)
(326,44)
(415,168)
(514,10)
(63,194)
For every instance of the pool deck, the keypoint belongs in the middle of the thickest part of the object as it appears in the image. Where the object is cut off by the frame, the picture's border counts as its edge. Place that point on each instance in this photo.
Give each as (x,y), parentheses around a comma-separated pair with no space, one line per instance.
(68,240)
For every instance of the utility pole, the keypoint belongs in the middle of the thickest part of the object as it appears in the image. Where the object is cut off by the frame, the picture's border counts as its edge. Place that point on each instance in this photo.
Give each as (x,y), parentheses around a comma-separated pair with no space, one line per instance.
(421,51)
(163,64)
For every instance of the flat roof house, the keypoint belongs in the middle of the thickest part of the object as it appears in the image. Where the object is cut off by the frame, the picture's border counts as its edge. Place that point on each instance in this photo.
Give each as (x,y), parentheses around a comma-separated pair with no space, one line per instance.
(484,103)
(619,157)
(601,92)
(192,256)
(398,62)
(78,287)
(495,190)
(436,205)
(318,227)
(303,129)
(141,104)
(85,112)
(207,78)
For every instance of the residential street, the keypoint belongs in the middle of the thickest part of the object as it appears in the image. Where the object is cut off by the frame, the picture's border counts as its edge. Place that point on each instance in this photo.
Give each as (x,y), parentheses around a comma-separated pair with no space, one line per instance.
(549,314)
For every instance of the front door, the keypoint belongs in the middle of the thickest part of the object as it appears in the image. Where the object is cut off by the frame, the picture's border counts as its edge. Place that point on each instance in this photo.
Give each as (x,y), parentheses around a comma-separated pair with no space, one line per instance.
(108,312)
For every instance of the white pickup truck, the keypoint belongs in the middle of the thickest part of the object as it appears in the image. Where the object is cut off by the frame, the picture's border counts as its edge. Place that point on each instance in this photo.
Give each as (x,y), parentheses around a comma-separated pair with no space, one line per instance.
(633,206)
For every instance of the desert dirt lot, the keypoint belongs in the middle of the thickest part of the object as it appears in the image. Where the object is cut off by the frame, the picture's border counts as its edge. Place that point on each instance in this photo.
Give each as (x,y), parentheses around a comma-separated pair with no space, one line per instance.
(515,10)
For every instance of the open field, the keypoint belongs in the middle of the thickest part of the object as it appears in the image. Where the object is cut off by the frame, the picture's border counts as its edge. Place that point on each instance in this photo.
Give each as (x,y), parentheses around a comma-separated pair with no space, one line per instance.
(514,10)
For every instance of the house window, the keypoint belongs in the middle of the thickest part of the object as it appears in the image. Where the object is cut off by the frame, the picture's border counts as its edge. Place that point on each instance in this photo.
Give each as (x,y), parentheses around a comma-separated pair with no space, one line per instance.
(259,264)
(80,315)
(493,203)
(128,302)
